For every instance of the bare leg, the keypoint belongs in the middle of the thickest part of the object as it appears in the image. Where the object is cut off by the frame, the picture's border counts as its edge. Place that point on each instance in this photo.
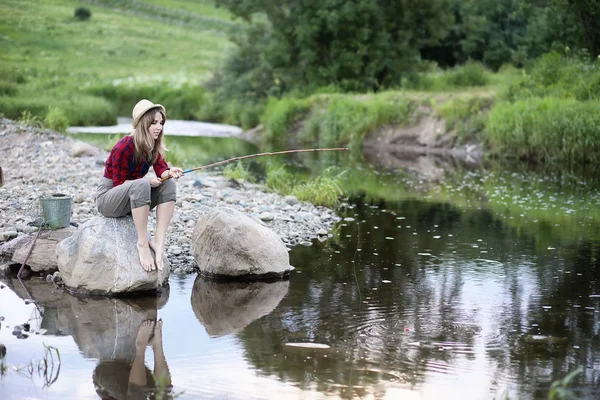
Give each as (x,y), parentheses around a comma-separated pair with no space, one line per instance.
(140,219)
(137,374)
(161,369)
(164,213)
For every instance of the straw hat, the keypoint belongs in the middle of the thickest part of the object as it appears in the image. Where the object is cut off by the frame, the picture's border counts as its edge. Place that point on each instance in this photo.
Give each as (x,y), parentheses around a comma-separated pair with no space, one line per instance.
(141,107)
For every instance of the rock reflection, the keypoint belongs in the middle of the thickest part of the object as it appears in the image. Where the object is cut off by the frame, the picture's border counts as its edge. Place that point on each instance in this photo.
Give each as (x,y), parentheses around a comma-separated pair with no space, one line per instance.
(228,307)
(114,331)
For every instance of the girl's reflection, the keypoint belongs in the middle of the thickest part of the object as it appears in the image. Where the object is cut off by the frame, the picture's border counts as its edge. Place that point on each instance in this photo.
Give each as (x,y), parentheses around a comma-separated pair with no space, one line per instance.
(120,380)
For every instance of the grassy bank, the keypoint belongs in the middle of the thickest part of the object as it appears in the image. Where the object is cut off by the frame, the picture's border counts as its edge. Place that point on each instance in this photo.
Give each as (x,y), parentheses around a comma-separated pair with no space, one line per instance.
(550,113)
(345,119)
(93,70)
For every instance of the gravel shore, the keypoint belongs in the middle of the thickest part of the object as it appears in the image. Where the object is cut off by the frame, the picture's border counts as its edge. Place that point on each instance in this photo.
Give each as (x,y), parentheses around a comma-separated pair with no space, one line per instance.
(37,163)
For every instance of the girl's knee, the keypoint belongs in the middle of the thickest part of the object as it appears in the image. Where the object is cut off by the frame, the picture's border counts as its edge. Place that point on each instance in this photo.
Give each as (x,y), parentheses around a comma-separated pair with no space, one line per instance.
(141,184)
(139,193)
(170,185)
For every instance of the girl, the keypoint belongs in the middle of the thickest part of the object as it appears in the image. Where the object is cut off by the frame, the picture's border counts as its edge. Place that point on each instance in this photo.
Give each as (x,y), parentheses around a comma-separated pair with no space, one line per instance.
(124,190)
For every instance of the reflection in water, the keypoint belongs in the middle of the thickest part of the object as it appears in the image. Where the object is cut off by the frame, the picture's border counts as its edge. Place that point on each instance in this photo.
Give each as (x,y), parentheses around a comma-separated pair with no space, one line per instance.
(120,379)
(482,284)
(228,307)
(425,297)
(113,331)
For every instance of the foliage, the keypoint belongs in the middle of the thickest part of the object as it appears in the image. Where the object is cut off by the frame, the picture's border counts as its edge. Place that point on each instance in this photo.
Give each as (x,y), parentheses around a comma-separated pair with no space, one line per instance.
(27,118)
(237,171)
(494,32)
(56,119)
(471,74)
(578,21)
(323,189)
(360,45)
(281,115)
(53,59)
(548,129)
(569,76)
(82,13)
(558,389)
(181,102)
(48,368)
(334,120)
(467,115)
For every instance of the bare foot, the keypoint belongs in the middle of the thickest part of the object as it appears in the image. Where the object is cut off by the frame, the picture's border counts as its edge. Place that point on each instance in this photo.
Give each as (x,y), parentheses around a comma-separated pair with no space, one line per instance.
(156,340)
(145,257)
(159,254)
(144,334)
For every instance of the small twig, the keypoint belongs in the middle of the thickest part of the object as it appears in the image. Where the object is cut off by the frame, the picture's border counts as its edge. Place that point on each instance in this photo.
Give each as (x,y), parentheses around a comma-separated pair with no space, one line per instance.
(29,252)
(258,155)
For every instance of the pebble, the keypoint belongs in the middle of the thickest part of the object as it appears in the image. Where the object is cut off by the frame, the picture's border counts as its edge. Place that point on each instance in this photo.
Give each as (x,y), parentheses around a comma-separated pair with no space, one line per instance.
(294,221)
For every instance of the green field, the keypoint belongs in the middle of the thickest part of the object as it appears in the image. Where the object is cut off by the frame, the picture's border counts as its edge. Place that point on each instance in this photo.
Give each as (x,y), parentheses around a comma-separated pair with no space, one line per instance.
(51,58)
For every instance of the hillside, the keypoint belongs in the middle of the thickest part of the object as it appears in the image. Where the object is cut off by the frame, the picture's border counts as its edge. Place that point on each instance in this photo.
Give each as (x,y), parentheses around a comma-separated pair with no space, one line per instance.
(51,58)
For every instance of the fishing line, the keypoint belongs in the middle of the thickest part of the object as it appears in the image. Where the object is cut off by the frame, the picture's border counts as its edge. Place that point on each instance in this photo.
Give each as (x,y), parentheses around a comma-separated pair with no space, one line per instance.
(353,262)
(215,164)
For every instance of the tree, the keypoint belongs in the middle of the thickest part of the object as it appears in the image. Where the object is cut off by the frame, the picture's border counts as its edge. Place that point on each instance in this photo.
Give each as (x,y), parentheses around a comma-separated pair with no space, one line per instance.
(352,44)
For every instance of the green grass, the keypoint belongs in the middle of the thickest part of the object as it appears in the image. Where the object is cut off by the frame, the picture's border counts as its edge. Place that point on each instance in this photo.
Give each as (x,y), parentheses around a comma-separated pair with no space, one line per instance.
(466,115)
(53,59)
(547,129)
(322,188)
(335,120)
(237,171)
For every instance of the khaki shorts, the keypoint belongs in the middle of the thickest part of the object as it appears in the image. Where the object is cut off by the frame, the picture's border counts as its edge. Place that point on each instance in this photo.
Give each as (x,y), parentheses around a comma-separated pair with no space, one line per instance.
(114,202)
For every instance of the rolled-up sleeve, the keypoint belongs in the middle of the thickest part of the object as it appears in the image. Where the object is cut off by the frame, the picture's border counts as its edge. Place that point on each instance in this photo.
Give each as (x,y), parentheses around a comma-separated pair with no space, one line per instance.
(160,166)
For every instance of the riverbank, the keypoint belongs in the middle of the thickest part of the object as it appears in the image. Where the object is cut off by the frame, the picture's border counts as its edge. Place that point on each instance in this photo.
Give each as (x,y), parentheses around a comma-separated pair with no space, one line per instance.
(39,162)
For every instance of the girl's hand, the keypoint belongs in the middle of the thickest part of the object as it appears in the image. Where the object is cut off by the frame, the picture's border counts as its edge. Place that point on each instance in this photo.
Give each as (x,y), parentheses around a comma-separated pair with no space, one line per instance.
(176,172)
(155,182)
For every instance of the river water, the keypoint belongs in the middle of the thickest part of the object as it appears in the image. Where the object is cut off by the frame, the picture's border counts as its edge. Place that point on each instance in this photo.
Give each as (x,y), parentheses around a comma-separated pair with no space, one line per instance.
(441,282)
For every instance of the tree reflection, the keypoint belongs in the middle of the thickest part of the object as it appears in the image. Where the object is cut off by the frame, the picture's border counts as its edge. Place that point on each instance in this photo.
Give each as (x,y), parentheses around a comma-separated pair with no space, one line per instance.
(402,294)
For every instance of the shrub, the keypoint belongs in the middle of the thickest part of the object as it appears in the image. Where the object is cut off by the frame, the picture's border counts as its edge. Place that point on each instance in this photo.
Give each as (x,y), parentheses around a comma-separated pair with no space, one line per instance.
(568,77)
(82,13)
(549,129)
(471,74)
(281,115)
(346,121)
(27,118)
(56,119)
(181,102)
(237,171)
(7,88)
(466,115)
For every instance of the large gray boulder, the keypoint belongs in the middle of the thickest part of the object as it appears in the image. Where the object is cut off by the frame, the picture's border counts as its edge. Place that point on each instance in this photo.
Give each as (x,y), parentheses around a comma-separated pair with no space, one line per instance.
(227,243)
(102,258)
(43,253)
(228,307)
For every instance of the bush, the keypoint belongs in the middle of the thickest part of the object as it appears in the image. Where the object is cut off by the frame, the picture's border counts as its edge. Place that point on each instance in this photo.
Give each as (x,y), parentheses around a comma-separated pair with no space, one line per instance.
(78,109)
(346,121)
(82,13)
(281,115)
(471,74)
(568,77)
(548,129)
(466,115)
(182,102)
(56,119)
(7,88)
(237,171)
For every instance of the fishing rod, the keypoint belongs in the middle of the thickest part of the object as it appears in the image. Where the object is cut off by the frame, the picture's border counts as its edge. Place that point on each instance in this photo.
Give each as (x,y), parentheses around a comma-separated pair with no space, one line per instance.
(258,155)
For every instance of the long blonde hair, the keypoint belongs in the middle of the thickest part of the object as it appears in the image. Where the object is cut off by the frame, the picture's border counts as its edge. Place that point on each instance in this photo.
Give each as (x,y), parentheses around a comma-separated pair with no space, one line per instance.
(146,148)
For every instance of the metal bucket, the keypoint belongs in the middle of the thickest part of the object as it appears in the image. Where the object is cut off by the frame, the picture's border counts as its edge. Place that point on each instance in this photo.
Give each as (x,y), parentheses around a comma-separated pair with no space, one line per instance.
(56,210)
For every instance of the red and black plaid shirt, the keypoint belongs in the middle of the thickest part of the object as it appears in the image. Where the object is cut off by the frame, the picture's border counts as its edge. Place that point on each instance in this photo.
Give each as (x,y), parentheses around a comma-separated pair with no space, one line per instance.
(120,165)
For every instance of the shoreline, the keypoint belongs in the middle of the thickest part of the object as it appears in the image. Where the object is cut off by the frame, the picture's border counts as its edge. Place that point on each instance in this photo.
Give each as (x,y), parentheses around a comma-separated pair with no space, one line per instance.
(38,162)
